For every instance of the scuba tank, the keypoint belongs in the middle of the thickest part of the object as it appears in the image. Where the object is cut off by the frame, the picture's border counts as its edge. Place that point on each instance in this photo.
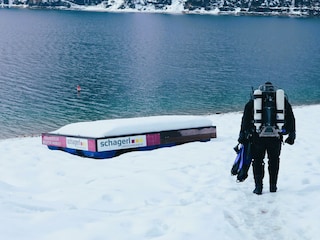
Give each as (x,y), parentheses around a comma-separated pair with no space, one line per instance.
(280,108)
(257,106)
(269,109)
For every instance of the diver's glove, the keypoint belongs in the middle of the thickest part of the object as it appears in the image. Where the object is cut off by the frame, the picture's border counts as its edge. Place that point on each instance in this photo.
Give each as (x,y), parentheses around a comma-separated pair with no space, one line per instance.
(290,139)
(242,138)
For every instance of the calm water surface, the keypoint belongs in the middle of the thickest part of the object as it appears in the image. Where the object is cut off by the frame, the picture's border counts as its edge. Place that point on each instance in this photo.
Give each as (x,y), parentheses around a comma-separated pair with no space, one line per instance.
(133,64)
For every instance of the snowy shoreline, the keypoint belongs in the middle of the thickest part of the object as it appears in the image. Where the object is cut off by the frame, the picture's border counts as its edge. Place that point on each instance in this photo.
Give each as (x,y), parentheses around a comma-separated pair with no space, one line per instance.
(218,113)
(177,7)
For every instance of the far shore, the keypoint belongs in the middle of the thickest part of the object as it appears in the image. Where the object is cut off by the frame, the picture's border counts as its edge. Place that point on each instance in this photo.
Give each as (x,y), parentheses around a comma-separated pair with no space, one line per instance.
(223,11)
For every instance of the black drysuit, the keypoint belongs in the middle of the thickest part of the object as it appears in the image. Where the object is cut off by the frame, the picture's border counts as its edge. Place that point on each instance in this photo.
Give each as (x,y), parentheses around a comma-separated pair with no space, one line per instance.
(261,145)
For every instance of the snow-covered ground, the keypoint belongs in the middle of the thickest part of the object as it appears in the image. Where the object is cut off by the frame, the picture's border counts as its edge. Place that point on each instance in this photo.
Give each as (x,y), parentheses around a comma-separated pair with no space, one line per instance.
(178,193)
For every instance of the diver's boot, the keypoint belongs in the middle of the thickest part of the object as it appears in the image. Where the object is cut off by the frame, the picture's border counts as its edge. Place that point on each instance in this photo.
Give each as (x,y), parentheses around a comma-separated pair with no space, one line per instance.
(273,182)
(258,190)
(258,174)
(259,185)
(273,188)
(273,178)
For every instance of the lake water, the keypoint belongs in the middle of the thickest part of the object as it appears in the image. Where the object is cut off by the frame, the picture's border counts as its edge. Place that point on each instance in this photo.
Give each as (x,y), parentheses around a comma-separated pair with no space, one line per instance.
(139,64)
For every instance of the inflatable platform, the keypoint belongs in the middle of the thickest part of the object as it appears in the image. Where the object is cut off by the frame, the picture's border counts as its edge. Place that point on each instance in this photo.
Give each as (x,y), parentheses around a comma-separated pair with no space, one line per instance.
(108,138)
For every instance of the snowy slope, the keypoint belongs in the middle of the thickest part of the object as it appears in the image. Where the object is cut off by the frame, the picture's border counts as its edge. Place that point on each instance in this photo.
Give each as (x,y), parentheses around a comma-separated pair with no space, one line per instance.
(178,193)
